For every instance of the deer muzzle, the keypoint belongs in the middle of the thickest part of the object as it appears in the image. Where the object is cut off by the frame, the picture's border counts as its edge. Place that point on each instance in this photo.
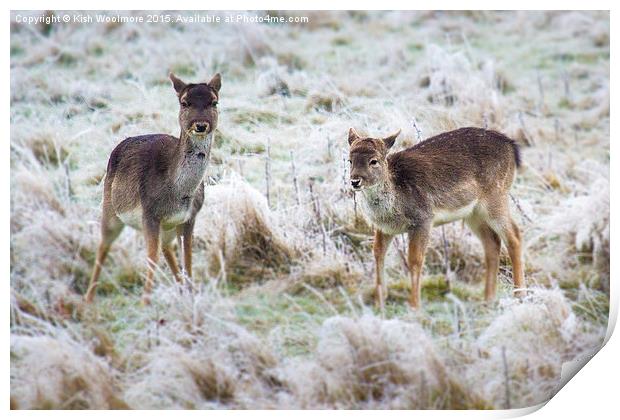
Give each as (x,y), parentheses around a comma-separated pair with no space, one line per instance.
(200,128)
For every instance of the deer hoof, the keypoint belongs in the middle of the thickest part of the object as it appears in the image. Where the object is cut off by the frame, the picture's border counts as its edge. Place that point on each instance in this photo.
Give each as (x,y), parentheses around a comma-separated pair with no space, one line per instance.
(414,303)
(88,298)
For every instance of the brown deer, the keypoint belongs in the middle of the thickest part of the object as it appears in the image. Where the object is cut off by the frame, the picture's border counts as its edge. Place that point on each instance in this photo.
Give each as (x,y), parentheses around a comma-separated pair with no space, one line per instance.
(154,183)
(463,174)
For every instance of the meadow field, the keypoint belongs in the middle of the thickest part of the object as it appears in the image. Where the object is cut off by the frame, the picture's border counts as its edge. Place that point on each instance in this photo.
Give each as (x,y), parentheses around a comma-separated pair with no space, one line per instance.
(282,314)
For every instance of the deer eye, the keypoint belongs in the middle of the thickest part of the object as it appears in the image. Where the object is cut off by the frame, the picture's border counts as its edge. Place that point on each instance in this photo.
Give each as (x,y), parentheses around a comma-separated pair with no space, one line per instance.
(214,104)
(374,162)
(184,104)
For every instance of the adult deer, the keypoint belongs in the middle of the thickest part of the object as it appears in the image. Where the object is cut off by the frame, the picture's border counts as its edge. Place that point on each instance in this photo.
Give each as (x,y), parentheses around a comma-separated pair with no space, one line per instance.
(464,174)
(154,183)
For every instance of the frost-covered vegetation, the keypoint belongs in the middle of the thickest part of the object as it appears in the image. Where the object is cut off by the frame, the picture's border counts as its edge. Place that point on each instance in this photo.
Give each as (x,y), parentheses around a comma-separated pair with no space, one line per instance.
(282,313)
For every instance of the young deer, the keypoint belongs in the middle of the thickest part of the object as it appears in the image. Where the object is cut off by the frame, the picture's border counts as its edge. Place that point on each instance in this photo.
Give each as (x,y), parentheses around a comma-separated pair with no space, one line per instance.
(154,183)
(463,174)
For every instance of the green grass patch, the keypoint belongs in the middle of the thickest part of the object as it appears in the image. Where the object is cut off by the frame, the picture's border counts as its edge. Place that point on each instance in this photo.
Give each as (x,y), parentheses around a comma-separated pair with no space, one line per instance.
(341,41)
(415,47)
(252,117)
(66,59)
(182,69)
(294,317)
(16,50)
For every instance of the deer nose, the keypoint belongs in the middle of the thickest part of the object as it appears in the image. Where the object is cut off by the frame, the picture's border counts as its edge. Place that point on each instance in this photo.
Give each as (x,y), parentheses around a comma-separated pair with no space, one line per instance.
(201,127)
(355,183)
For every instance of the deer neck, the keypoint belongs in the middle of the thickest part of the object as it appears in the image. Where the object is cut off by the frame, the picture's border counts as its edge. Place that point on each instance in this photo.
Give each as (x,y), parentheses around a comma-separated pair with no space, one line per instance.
(195,145)
(382,206)
(381,194)
(192,163)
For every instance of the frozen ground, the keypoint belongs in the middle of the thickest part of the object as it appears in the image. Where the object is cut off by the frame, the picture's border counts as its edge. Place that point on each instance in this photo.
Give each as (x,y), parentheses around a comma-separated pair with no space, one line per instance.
(283,317)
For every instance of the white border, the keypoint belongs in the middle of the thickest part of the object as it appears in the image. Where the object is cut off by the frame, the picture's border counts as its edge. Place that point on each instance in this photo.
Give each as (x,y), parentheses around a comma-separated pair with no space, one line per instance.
(592,393)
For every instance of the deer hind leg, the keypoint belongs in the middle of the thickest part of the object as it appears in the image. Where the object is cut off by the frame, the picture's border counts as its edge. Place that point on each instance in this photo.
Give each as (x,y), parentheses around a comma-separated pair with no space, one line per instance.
(503,224)
(491,243)
(418,241)
(516,256)
(111,228)
(379,248)
(151,233)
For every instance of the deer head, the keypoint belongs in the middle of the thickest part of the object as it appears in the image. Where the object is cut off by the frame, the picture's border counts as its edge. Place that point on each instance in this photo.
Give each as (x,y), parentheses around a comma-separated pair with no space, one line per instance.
(368,159)
(198,106)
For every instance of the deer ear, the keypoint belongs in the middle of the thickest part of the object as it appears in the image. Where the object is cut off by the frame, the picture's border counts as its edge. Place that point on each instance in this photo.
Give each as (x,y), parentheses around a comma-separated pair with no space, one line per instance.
(177,83)
(353,135)
(389,140)
(216,82)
